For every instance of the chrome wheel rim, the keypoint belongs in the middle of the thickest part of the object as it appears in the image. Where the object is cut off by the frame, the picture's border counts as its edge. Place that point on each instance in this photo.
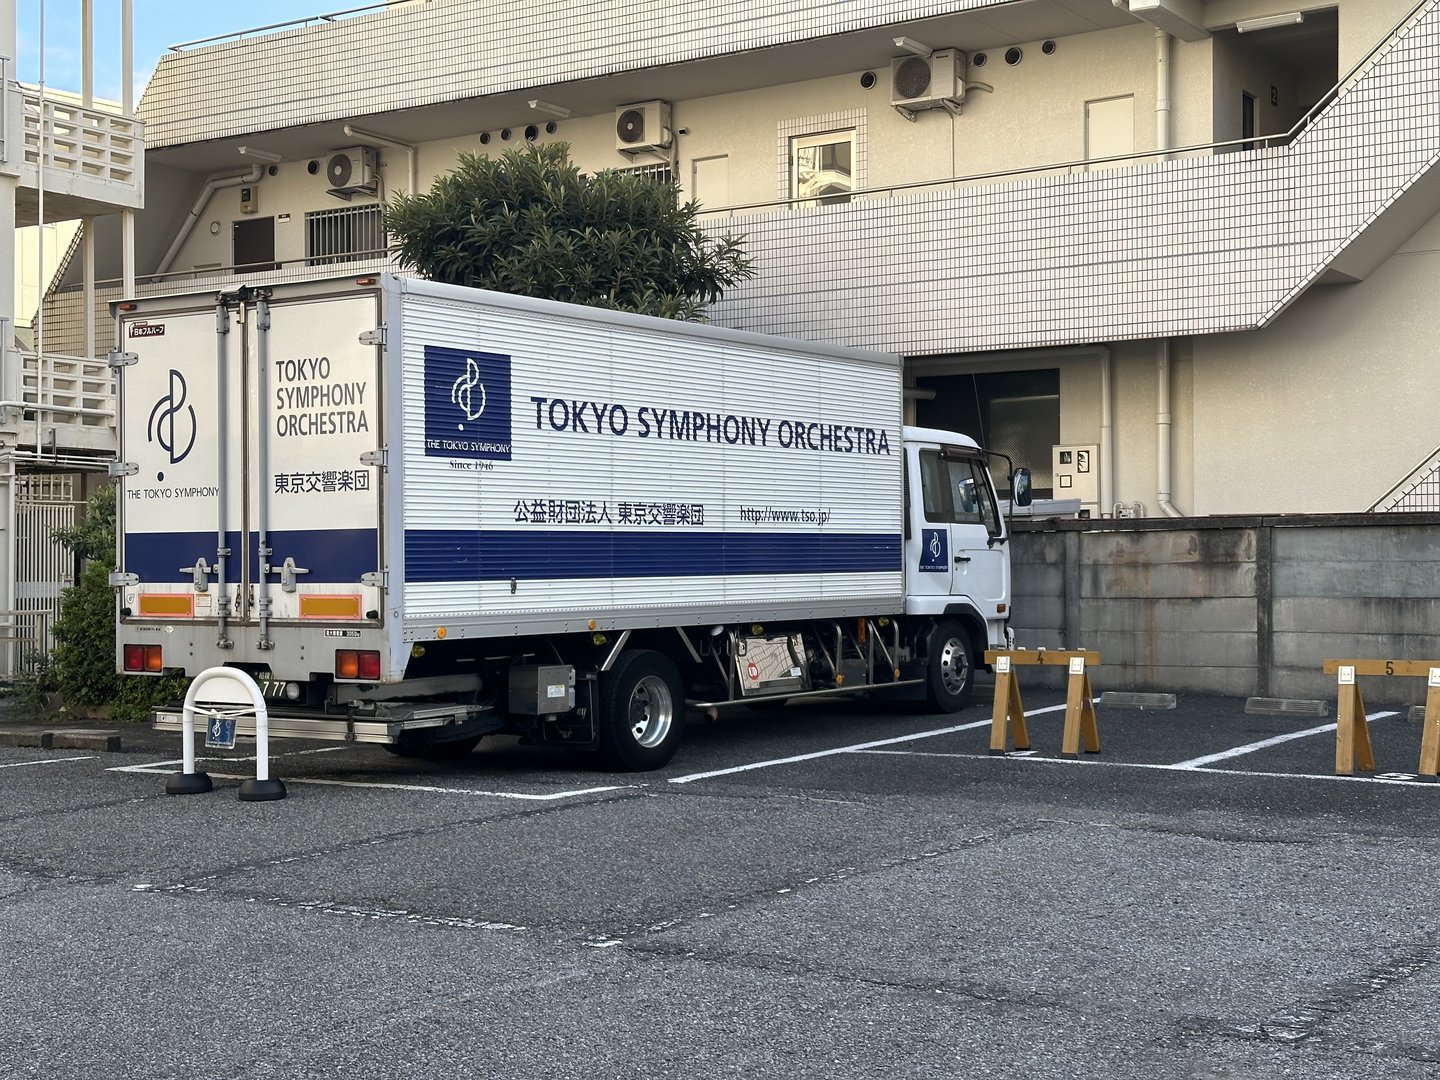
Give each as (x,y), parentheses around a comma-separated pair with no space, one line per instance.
(652,711)
(954,666)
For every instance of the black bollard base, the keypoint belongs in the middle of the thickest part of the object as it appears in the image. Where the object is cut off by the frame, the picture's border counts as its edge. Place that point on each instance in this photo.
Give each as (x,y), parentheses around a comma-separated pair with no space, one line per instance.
(188,783)
(262,790)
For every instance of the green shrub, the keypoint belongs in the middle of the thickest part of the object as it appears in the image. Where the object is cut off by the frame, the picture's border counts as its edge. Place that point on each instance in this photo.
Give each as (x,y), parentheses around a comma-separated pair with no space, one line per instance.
(81,667)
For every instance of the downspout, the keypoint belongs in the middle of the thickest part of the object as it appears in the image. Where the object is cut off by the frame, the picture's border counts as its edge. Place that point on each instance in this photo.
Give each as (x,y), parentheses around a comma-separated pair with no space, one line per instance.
(1162,92)
(1164,481)
(214,184)
(1107,436)
(359,133)
(1162,432)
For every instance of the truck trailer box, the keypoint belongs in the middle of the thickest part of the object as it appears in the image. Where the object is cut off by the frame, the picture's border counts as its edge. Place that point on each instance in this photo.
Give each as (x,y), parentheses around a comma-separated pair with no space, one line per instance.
(424,461)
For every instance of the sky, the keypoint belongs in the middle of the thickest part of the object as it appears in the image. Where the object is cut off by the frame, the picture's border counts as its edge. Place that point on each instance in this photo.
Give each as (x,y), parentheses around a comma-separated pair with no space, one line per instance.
(158,24)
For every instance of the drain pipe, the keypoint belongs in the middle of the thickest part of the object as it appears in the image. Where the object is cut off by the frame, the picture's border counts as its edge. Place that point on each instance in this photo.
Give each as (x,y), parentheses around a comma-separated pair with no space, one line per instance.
(1162,432)
(351,131)
(1162,92)
(1107,435)
(214,184)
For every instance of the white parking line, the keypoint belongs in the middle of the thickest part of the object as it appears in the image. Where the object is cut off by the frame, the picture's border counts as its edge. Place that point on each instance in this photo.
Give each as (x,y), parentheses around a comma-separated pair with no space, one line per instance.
(855,748)
(47,761)
(1383,778)
(165,768)
(1250,748)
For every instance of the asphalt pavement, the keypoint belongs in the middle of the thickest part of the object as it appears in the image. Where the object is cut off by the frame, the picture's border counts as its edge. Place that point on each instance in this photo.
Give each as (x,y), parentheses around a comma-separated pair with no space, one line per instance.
(835,890)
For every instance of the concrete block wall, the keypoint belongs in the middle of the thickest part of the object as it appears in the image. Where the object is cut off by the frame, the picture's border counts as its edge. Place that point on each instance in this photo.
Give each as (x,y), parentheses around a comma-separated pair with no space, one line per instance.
(1238,606)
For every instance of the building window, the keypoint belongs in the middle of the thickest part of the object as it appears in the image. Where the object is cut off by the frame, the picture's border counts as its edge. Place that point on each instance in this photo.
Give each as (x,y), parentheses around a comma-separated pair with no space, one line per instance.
(660,172)
(345,235)
(821,158)
(822,168)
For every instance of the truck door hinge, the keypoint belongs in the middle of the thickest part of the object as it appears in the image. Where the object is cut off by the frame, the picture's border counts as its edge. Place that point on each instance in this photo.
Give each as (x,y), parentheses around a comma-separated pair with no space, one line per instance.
(119,579)
(121,468)
(118,358)
(374,458)
(288,572)
(373,337)
(199,574)
(376,579)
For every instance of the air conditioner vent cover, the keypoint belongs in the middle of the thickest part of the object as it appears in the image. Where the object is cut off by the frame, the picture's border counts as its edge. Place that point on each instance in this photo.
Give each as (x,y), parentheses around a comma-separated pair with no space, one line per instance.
(339,169)
(912,77)
(630,126)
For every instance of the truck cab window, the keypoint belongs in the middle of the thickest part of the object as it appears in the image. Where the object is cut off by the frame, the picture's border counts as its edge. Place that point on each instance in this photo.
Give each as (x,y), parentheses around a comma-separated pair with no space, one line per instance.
(957,491)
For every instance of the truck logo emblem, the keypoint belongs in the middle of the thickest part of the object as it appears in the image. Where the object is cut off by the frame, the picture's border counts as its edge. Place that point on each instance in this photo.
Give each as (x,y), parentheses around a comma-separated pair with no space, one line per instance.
(934,551)
(162,425)
(462,393)
(467,404)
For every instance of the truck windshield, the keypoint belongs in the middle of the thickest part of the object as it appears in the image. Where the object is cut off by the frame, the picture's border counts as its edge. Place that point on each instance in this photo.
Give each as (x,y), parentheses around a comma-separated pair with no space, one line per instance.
(957,491)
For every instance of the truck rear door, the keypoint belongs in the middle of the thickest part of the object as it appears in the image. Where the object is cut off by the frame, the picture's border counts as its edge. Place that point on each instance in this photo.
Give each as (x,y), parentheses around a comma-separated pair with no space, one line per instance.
(243,428)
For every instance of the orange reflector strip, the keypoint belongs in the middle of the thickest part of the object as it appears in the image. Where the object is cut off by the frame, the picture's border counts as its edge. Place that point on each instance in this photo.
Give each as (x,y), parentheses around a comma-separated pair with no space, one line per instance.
(167,605)
(329,607)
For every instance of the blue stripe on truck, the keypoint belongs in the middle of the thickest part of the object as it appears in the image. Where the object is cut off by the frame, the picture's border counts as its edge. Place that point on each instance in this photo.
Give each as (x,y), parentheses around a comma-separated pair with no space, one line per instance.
(530,555)
(330,555)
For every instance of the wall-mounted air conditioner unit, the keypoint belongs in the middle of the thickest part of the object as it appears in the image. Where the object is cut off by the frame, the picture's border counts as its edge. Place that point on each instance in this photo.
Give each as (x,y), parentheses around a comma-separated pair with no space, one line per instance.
(351,171)
(936,81)
(643,127)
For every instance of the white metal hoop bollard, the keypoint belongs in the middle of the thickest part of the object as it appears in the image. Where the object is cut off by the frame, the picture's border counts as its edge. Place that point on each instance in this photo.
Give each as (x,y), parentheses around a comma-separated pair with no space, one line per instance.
(235,692)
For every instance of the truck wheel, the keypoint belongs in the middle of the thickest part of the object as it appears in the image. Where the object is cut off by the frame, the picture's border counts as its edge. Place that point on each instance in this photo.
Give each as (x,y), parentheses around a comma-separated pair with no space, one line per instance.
(950,671)
(642,711)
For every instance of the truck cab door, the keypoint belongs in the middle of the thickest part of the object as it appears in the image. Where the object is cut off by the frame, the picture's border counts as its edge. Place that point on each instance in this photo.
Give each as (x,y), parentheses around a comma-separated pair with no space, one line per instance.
(957,544)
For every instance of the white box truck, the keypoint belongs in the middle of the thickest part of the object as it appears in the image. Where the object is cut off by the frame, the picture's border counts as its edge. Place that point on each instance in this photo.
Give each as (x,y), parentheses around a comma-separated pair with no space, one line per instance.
(416,514)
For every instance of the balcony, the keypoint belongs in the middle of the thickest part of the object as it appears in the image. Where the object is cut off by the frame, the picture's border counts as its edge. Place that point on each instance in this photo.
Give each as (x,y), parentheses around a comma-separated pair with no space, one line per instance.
(63,406)
(93,160)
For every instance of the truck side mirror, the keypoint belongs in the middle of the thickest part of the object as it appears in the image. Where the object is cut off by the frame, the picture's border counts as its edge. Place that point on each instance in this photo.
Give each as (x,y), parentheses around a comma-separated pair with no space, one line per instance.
(1020,487)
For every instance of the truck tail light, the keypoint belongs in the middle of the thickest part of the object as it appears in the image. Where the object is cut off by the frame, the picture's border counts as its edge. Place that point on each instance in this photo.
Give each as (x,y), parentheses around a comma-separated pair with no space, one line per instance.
(143,658)
(357,664)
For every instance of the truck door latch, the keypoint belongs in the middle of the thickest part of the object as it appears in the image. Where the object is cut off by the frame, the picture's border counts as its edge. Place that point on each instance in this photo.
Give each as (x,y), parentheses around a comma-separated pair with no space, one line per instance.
(288,570)
(200,574)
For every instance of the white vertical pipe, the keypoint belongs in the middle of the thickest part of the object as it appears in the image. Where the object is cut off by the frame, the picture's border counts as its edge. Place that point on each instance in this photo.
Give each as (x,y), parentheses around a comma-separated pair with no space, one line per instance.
(87,273)
(1107,435)
(127,63)
(1162,92)
(1163,465)
(87,53)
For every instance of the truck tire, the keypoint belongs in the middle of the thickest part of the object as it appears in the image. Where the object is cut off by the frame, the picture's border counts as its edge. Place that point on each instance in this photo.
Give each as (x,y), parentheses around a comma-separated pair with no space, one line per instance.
(950,668)
(642,711)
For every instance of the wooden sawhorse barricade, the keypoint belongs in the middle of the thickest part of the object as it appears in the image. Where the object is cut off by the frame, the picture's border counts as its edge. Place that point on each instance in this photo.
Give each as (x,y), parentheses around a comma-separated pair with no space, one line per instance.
(1352,733)
(1079,699)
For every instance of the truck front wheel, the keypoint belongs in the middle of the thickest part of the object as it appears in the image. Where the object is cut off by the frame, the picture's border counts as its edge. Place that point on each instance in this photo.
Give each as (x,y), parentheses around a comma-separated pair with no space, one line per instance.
(642,711)
(950,670)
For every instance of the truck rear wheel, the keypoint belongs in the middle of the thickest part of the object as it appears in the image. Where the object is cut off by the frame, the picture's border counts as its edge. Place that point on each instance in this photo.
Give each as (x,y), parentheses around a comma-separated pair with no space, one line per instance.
(642,711)
(950,670)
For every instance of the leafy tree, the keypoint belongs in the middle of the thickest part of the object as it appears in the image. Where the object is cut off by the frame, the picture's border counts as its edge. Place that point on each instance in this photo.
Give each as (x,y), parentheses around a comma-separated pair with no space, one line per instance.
(82,664)
(530,222)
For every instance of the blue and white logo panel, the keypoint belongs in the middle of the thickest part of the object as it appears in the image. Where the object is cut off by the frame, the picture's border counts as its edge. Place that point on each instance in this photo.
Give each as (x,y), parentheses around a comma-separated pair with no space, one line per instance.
(467,404)
(934,551)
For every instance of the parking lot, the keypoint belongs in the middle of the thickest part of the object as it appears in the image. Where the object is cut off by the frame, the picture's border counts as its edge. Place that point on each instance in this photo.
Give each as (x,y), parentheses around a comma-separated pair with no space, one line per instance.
(824,890)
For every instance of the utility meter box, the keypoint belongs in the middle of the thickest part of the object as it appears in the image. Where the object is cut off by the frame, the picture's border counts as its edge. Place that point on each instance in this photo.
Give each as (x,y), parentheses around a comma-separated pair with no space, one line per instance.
(1076,472)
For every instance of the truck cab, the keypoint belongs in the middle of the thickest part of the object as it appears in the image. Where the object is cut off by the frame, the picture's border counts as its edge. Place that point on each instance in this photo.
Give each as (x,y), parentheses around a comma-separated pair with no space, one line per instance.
(957,555)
